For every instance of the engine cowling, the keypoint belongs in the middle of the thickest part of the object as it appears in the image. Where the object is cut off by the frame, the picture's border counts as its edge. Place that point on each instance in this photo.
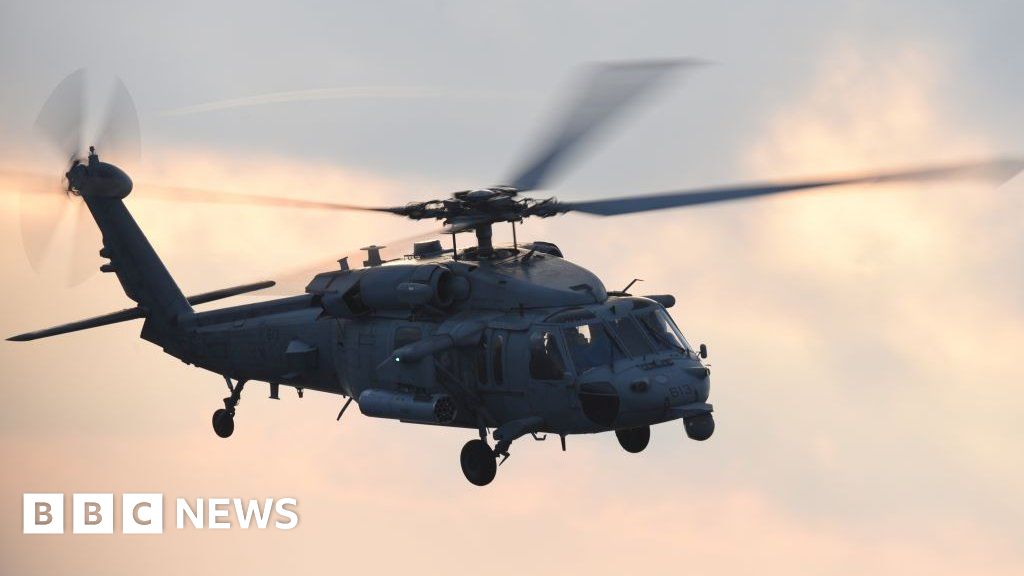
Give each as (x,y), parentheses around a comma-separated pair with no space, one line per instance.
(408,286)
(398,287)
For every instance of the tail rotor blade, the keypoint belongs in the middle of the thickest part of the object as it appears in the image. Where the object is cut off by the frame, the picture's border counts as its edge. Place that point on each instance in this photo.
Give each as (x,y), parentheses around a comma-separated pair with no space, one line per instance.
(119,135)
(40,215)
(85,242)
(46,207)
(43,203)
(61,118)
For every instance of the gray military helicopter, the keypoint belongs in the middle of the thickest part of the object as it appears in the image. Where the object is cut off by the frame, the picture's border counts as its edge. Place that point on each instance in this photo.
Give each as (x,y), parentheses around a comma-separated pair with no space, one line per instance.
(511,340)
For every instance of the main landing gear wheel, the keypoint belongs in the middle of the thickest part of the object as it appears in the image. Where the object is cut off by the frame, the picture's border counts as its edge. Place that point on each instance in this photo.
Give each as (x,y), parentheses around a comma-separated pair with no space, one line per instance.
(224,418)
(634,440)
(223,423)
(478,462)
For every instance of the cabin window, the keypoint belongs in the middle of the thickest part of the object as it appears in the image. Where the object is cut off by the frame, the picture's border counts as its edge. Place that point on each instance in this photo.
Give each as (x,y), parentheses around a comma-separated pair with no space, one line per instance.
(589,345)
(406,335)
(546,361)
(481,362)
(497,365)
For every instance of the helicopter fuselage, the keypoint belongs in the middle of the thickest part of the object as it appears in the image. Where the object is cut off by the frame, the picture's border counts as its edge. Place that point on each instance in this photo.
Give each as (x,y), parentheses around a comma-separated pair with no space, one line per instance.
(524,336)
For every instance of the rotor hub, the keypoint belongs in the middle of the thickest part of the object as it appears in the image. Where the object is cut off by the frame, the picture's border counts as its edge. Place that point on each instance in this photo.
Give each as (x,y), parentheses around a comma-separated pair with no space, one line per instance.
(97,178)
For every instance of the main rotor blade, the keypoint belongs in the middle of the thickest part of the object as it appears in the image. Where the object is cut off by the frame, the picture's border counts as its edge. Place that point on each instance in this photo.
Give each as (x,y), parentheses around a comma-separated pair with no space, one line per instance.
(997,171)
(61,117)
(34,183)
(605,93)
(184,194)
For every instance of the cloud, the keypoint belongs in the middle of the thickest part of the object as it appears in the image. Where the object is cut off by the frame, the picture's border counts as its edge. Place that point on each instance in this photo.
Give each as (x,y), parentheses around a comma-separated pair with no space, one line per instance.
(909,254)
(863,338)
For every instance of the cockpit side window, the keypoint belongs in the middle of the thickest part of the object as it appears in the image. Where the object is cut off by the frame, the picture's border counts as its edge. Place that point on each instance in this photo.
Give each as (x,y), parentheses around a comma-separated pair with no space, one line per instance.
(546,362)
(589,345)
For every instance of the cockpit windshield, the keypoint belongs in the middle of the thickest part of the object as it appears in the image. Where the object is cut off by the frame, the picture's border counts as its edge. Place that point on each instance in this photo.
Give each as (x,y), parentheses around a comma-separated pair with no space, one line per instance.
(591,341)
(632,336)
(660,327)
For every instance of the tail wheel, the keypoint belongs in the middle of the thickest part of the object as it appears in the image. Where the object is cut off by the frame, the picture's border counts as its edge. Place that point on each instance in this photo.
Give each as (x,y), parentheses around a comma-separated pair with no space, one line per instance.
(223,423)
(478,462)
(634,440)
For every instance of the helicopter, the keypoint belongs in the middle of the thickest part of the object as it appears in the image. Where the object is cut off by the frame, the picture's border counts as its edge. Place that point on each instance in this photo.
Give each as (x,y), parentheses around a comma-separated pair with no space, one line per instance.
(504,341)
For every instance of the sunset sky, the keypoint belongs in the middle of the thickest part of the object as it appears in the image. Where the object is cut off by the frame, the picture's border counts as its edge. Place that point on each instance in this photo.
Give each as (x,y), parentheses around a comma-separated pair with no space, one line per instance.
(865,342)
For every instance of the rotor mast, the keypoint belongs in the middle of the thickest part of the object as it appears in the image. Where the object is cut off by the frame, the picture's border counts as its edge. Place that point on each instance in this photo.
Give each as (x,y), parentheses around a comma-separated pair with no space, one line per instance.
(484,244)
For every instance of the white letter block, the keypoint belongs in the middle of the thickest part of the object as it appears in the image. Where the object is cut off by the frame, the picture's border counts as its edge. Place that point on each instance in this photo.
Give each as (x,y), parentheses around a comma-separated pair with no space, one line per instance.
(42,514)
(92,513)
(142,513)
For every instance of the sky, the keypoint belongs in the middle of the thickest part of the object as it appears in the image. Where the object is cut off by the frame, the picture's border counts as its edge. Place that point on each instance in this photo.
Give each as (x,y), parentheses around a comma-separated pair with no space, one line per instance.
(864,341)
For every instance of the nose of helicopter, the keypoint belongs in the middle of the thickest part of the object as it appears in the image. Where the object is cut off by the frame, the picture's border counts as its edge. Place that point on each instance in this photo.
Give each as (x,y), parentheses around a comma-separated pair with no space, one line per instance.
(645,395)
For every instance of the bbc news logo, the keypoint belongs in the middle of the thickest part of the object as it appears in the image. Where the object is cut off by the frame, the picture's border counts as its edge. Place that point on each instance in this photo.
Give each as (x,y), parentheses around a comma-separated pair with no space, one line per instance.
(94,513)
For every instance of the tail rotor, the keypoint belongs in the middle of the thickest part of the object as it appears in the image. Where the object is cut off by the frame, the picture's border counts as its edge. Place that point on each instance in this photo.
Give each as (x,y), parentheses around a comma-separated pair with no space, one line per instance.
(58,235)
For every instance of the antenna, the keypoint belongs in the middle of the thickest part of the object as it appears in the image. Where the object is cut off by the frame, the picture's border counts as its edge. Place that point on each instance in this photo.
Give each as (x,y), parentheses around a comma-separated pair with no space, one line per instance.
(630,285)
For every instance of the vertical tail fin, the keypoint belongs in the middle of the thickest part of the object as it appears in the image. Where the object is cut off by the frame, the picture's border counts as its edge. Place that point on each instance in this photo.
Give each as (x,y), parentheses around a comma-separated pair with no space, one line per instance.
(143,276)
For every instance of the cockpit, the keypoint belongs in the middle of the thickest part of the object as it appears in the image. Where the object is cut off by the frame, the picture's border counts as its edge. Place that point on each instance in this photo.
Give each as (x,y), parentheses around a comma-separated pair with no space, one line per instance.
(592,337)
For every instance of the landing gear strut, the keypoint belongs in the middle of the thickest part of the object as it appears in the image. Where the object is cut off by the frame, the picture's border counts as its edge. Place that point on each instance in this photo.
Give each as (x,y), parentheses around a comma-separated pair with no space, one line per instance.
(224,418)
(479,460)
(634,440)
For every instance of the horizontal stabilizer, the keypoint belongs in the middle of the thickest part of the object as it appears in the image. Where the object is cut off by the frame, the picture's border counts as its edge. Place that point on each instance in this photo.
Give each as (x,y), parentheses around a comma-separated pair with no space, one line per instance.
(228,292)
(135,313)
(104,320)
